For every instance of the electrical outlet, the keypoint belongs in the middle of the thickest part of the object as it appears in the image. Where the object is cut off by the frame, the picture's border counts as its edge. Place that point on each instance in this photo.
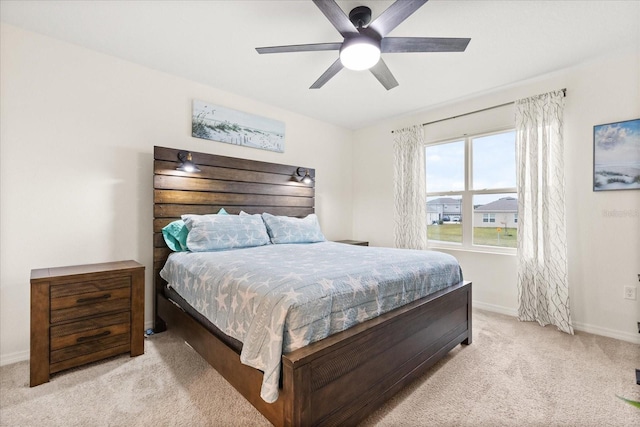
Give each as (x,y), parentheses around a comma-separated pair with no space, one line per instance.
(630,292)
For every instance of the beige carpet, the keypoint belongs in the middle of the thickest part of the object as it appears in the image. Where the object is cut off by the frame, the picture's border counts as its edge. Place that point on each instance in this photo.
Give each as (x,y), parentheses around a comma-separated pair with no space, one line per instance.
(514,374)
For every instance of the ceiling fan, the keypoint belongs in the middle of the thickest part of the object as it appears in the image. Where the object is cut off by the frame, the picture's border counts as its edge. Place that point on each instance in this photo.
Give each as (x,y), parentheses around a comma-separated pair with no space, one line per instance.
(364,42)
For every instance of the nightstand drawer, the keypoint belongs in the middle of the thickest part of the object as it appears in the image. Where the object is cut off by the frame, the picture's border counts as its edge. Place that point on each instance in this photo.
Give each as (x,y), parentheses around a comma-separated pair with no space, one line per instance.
(87,330)
(76,305)
(62,290)
(82,353)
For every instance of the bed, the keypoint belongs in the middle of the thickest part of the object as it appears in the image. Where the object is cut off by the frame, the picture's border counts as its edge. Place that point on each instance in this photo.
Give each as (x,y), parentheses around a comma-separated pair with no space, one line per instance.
(337,380)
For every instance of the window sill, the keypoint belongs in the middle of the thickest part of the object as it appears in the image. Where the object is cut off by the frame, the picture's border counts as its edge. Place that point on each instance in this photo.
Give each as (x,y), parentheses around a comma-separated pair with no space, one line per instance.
(490,251)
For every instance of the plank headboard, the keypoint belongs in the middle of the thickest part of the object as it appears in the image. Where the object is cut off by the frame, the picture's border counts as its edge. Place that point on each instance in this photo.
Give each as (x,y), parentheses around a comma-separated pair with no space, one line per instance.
(224,182)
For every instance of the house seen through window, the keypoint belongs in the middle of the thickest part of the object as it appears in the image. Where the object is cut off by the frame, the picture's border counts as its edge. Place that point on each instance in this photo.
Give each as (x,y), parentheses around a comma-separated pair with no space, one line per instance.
(471,191)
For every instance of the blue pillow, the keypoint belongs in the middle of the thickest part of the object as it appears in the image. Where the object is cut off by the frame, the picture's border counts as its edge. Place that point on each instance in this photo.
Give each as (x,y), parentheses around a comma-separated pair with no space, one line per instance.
(218,232)
(286,229)
(175,234)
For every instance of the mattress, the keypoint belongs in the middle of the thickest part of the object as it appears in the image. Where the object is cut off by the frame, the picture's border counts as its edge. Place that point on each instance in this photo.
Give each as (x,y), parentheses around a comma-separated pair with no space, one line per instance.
(278,298)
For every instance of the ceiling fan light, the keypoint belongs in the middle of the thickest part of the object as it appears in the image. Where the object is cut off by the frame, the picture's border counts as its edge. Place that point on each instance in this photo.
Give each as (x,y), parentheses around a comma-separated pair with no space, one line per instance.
(359,53)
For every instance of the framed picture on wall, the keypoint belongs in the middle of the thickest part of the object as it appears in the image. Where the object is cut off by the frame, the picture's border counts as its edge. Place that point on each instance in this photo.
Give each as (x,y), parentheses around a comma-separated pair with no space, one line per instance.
(616,156)
(222,124)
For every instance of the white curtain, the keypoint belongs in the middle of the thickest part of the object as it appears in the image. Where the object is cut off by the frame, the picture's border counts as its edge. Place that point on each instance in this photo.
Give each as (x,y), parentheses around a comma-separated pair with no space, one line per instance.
(543,288)
(410,189)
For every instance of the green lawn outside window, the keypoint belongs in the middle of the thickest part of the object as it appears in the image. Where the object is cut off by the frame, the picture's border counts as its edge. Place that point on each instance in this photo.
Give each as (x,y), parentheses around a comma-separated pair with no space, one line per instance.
(488,236)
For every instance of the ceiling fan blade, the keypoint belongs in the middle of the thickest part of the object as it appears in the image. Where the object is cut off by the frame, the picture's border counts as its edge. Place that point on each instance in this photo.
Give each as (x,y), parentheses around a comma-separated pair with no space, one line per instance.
(336,16)
(300,48)
(383,74)
(423,44)
(327,75)
(394,15)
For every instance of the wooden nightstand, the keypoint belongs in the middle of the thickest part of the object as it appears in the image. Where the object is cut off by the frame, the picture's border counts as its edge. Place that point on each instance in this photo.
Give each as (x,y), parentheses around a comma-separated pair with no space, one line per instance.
(353,242)
(85,313)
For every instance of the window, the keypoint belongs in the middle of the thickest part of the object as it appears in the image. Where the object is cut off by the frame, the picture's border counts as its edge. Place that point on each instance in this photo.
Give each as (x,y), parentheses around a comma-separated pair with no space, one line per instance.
(471,191)
(447,157)
(488,217)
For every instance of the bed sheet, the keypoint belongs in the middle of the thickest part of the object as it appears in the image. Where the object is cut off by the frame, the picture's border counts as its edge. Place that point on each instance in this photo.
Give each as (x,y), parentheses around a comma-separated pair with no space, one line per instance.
(278,298)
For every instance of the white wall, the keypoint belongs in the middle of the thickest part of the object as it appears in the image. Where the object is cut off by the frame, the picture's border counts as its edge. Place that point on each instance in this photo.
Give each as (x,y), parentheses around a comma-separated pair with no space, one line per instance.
(604,249)
(76,162)
(86,123)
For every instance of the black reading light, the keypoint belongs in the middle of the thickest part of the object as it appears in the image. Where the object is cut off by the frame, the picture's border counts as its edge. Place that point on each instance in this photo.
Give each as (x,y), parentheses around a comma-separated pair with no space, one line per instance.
(306,178)
(187,164)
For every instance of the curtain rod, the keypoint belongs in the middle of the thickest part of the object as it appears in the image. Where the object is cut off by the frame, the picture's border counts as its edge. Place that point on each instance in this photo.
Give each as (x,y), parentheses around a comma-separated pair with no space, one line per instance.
(564,92)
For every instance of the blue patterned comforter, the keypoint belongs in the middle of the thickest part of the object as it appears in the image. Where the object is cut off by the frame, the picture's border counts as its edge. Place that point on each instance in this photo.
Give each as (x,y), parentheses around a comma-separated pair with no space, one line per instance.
(278,298)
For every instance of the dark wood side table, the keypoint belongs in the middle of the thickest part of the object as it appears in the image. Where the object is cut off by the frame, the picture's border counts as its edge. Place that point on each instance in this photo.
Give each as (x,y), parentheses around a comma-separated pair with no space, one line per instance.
(84,313)
(353,242)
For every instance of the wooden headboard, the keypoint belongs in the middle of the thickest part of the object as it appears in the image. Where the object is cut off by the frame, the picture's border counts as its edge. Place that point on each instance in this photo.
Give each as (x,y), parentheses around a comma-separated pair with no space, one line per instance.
(224,182)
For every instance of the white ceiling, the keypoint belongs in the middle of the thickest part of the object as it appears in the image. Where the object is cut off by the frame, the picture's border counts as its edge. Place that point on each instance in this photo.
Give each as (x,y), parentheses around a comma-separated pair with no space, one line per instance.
(213,42)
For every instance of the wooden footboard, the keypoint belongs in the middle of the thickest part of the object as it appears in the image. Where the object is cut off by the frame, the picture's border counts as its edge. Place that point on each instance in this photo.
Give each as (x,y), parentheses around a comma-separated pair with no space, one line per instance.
(343,378)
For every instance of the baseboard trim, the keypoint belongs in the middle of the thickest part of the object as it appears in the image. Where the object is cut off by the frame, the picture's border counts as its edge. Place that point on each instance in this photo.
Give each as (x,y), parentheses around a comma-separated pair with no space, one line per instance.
(495,308)
(578,326)
(18,356)
(605,332)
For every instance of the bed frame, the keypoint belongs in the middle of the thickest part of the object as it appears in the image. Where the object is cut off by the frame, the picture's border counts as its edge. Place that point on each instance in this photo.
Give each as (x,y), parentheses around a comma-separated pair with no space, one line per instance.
(338,380)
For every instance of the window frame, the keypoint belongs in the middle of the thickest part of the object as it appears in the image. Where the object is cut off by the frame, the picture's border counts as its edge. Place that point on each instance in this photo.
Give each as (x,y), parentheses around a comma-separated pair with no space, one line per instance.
(467,196)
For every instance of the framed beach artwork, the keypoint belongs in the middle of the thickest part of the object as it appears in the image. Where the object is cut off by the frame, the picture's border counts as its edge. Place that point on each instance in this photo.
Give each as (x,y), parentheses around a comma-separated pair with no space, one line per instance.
(616,156)
(210,121)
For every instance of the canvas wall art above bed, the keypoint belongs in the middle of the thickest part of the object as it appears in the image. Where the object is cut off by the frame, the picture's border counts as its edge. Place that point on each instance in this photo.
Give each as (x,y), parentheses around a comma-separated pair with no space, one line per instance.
(311,332)
(217,123)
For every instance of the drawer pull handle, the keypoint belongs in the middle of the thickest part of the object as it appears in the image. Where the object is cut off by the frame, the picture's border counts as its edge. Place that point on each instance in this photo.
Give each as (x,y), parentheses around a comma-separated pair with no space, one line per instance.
(92,337)
(92,299)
